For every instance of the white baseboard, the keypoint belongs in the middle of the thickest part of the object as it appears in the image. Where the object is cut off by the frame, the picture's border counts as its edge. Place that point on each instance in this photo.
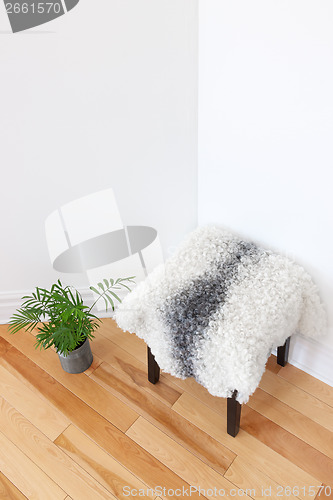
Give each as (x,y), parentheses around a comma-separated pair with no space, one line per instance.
(9,302)
(310,356)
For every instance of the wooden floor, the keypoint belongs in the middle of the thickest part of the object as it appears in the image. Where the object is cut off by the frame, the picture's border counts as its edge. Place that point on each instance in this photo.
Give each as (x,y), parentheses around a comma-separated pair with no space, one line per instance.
(109,433)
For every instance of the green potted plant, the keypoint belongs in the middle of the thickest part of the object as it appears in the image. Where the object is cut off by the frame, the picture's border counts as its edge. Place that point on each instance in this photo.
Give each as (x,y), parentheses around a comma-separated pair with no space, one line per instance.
(63,321)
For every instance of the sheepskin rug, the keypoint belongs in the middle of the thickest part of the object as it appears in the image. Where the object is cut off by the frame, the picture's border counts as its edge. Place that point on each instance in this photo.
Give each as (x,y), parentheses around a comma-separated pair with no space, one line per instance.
(216,308)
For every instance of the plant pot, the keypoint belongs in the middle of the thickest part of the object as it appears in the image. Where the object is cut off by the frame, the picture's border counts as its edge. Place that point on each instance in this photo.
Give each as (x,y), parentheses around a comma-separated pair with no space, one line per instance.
(78,360)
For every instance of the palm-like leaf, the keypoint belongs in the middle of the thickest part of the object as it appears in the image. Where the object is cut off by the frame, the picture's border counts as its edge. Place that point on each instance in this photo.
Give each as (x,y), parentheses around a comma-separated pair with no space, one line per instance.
(104,291)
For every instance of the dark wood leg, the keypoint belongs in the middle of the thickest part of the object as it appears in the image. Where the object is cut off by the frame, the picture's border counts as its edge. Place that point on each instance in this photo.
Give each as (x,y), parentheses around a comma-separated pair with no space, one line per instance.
(153,368)
(282,353)
(233,415)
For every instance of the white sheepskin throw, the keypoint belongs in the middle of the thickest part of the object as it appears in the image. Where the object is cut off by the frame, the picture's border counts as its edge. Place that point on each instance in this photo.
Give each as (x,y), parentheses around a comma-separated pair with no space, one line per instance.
(216,309)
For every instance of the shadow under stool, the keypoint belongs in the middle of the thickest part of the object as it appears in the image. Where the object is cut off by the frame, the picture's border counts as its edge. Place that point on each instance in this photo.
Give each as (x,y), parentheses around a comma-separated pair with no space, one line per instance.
(233,406)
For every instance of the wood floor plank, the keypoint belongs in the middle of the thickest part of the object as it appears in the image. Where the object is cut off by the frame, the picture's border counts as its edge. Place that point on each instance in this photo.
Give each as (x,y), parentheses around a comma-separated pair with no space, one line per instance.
(25,475)
(246,446)
(8,491)
(293,421)
(309,384)
(96,362)
(4,345)
(190,386)
(256,484)
(47,419)
(80,384)
(119,359)
(272,365)
(127,341)
(189,436)
(287,445)
(177,458)
(110,438)
(298,399)
(100,465)
(47,456)
(43,385)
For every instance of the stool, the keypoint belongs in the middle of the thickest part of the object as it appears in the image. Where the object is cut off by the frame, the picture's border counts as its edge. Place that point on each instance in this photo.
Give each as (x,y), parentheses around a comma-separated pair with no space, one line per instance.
(233,406)
(216,309)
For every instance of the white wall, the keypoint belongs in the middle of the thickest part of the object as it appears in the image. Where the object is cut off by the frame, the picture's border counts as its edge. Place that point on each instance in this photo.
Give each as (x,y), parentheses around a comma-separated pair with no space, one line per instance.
(265,135)
(105,96)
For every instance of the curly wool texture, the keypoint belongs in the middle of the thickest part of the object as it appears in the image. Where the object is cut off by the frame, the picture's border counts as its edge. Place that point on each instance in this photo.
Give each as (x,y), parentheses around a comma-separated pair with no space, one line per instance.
(216,309)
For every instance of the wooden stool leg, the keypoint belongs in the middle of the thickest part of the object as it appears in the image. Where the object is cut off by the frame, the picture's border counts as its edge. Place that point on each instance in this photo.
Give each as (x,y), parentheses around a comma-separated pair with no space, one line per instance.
(153,368)
(233,415)
(282,353)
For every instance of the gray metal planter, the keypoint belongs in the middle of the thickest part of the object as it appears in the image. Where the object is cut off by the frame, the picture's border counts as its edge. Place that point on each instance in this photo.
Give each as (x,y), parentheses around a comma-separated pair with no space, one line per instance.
(77,361)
